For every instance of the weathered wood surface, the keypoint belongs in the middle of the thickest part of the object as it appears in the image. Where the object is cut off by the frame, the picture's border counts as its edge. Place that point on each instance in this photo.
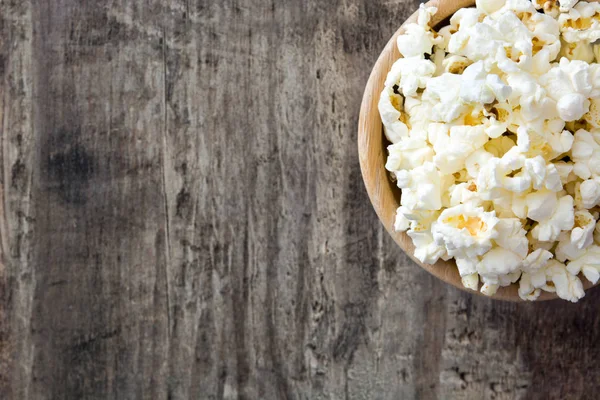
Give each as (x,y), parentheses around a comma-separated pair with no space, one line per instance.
(182,216)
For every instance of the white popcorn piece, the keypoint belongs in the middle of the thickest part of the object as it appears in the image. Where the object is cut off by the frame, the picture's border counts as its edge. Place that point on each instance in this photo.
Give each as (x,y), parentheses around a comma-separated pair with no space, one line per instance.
(503,205)
(489,289)
(467,266)
(516,173)
(454,64)
(541,205)
(550,7)
(471,281)
(443,92)
(421,187)
(589,191)
(565,171)
(572,244)
(415,42)
(453,146)
(511,236)
(588,263)
(417,223)
(425,15)
(586,154)
(510,278)
(570,84)
(426,250)
(418,112)
(534,274)
(498,262)
(566,285)
(526,290)
(580,23)
(465,231)
(390,109)
(410,74)
(593,115)
(464,193)
(566,5)
(401,223)
(498,147)
(407,154)
(482,87)
(489,6)
(561,219)
(572,106)
(583,51)
(474,161)
(418,39)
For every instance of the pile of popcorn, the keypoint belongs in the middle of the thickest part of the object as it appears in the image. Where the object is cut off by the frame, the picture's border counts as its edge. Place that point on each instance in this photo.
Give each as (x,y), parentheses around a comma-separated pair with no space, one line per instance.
(494,124)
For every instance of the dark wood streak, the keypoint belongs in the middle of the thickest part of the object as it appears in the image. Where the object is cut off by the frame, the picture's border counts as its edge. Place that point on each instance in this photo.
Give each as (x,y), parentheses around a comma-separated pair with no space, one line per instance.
(182,216)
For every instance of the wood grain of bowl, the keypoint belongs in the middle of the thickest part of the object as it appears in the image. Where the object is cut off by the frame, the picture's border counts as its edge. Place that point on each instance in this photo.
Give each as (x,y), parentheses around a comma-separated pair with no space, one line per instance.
(384,194)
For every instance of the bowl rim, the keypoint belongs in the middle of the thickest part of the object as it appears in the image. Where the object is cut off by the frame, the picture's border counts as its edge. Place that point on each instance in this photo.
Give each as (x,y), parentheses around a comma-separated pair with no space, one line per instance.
(371,152)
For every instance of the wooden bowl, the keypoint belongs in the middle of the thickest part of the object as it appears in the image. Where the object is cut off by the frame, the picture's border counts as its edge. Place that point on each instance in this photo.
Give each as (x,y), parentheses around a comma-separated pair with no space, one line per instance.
(372,144)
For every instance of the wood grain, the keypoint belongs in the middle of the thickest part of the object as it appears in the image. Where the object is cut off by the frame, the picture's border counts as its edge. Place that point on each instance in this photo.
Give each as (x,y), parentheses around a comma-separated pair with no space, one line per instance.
(183,217)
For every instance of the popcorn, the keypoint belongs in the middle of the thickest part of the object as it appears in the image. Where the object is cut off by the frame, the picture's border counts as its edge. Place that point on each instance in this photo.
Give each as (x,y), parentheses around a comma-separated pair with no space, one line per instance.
(534,274)
(454,146)
(471,281)
(426,250)
(454,64)
(390,109)
(560,219)
(464,193)
(572,106)
(407,154)
(498,262)
(482,88)
(566,5)
(550,7)
(421,187)
(489,289)
(410,74)
(489,6)
(570,246)
(480,118)
(590,193)
(583,51)
(580,23)
(511,236)
(588,263)
(465,231)
(586,154)
(443,91)
(569,84)
(500,174)
(418,38)
(566,285)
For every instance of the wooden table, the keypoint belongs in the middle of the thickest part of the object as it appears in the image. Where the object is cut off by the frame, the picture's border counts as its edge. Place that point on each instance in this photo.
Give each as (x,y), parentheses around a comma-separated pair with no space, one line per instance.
(183,216)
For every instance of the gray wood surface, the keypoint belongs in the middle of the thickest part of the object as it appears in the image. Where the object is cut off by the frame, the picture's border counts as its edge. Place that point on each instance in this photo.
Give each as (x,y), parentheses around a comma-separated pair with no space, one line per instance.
(182,216)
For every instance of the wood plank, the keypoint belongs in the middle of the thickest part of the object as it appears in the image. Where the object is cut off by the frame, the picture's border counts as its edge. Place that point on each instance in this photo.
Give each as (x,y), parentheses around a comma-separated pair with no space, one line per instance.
(183,216)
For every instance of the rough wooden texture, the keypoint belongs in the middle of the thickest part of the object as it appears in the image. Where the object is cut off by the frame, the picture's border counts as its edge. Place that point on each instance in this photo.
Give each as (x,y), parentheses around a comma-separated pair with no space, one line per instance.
(182,216)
